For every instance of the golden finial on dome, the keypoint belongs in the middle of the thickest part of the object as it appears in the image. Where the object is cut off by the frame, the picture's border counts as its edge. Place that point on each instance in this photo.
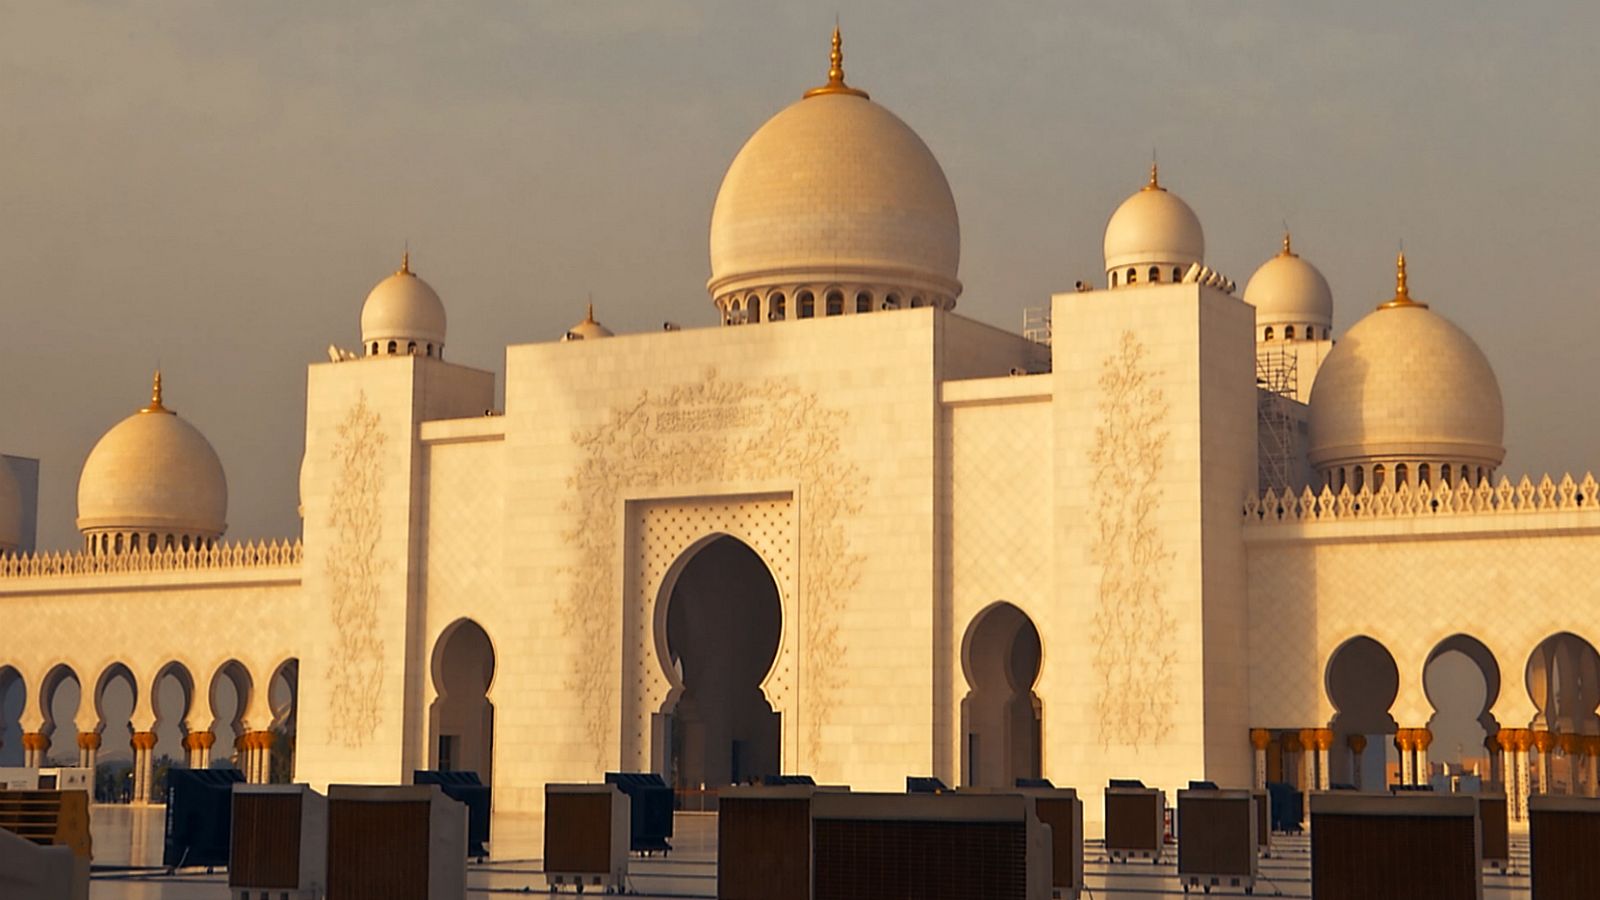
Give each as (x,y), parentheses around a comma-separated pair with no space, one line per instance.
(1402,294)
(155,397)
(1288,247)
(405,262)
(1155,178)
(836,83)
(589,316)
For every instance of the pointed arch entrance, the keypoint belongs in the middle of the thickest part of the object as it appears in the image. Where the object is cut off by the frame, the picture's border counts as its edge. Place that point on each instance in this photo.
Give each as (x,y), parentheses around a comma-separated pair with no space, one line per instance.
(461,719)
(721,625)
(1001,716)
(1362,682)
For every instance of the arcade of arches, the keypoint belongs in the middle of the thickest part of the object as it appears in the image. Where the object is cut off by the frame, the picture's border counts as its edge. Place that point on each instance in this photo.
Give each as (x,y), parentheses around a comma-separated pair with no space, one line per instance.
(1363,746)
(101,724)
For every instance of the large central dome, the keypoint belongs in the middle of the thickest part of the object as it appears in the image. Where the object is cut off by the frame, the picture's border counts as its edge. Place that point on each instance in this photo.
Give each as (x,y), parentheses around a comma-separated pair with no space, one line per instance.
(835,192)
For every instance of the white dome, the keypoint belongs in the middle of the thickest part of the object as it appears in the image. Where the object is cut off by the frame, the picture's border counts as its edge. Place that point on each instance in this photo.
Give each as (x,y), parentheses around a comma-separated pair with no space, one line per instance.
(403,308)
(588,329)
(1288,290)
(1154,227)
(10,508)
(835,189)
(153,473)
(1406,385)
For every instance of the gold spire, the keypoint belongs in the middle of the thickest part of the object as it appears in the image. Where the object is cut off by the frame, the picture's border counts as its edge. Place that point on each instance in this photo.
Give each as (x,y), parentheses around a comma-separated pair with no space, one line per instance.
(155,398)
(1155,178)
(405,262)
(836,83)
(1288,248)
(589,316)
(1402,294)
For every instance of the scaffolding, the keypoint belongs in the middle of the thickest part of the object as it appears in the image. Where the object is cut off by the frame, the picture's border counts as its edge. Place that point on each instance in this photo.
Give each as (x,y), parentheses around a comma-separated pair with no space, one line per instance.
(1036,324)
(1277,389)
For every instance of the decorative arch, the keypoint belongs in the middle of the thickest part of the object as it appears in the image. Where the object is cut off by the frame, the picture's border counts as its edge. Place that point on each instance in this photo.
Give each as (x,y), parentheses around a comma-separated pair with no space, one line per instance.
(1002,717)
(1362,682)
(461,717)
(719,629)
(1461,726)
(185,678)
(237,676)
(13,699)
(48,687)
(283,699)
(110,674)
(1563,681)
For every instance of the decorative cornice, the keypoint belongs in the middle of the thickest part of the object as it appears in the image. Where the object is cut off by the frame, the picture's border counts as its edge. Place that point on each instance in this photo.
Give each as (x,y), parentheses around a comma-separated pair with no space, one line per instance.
(1484,499)
(246,555)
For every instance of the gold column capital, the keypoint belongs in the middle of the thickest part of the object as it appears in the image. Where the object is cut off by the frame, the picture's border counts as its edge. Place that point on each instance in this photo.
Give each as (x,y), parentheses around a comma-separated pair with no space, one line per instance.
(1544,740)
(1260,738)
(89,740)
(1357,742)
(143,740)
(36,740)
(1422,738)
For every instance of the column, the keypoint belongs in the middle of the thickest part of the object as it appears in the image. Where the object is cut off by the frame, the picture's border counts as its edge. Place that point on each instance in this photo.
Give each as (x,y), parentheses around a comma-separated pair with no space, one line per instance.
(1545,742)
(258,756)
(1259,739)
(143,742)
(1324,744)
(1491,744)
(1521,741)
(1402,743)
(1590,745)
(35,745)
(1421,738)
(89,750)
(1571,746)
(1358,746)
(199,743)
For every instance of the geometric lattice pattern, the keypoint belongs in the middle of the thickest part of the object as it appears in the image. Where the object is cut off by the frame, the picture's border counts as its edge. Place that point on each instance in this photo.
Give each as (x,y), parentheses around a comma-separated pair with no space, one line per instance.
(663,534)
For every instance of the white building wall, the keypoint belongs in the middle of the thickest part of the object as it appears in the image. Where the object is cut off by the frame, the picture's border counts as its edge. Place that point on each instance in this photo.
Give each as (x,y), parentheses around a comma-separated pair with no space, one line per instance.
(1154,426)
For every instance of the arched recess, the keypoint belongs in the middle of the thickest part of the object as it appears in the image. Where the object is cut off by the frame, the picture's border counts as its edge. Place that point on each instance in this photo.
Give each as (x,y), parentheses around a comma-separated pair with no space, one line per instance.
(13,697)
(718,633)
(61,700)
(172,700)
(1362,682)
(1001,716)
(1563,684)
(1462,681)
(228,695)
(461,718)
(1563,680)
(283,698)
(116,695)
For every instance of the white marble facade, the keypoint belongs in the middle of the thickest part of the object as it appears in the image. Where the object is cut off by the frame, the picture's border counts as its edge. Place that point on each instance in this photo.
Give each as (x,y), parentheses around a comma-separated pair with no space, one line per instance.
(982,557)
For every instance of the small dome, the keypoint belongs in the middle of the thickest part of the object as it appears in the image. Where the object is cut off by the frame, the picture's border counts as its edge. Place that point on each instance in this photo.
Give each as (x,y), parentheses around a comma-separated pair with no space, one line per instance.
(153,473)
(403,308)
(10,509)
(1154,227)
(587,330)
(1289,290)
(835,189)
(1406,385)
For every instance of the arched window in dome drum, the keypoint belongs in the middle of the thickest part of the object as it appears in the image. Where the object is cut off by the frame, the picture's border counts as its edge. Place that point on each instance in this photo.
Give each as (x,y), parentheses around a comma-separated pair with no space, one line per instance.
(374,348)
(172,542)
(917,303)
(1481,474)
(776,308)
(1113,279)
(1401,475)
(150,543)
(1269,334)
(1177,274)
(393,346)
(863,302)
(891,302)
(430,349)
(1360,480)
(1425,475)
(835,303)
(1155,274)
(753,309)
(806,303)
(118,544)
(1466,475)
(411,348)
(1288,332)
(1378,471)
(1133,275)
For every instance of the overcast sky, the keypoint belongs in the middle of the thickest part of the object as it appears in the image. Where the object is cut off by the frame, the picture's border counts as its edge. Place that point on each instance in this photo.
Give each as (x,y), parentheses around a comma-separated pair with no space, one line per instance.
(216,186)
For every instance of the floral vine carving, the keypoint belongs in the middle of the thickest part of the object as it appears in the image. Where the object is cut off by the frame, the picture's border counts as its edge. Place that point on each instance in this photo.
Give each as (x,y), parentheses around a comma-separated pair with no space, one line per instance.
(353,575)
(1134,704)
(712,430)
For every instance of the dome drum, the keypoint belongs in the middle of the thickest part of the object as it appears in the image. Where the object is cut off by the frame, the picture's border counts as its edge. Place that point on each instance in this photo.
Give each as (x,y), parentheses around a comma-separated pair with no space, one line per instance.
(789,301)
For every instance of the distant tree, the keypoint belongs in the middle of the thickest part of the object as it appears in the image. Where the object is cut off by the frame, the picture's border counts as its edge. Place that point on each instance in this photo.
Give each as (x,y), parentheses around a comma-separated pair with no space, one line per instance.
(158,787)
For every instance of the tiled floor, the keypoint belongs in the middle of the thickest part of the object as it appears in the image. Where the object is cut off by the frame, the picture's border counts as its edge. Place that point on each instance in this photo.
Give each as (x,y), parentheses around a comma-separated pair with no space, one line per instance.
(125,837)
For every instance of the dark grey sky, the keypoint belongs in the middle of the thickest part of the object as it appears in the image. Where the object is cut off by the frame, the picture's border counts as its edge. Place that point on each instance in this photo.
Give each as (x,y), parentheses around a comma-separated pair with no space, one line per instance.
(215,186)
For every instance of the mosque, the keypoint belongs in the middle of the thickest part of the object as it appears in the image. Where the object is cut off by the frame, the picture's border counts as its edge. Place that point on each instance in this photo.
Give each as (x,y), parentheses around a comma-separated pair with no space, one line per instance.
(1185,533)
